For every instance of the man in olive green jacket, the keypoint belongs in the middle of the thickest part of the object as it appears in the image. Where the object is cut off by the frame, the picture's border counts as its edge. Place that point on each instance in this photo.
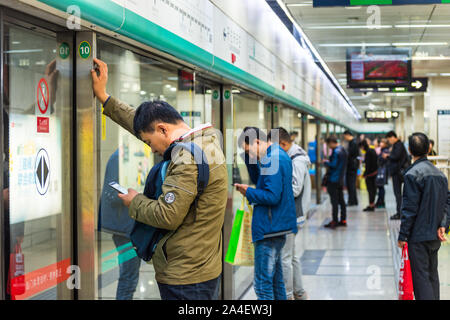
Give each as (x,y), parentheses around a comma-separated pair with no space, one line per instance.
(188,259)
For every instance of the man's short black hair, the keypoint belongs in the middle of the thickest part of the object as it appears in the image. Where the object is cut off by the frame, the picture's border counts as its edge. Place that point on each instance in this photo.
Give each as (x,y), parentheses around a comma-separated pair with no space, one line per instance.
(250,134)
(419,144)
(151,111)
(283,135)
(391,134)
(331,139)
(347,132)
(364,145)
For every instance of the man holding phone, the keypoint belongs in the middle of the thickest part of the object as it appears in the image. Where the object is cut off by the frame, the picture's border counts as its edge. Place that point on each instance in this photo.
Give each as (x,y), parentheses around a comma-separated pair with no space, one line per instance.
(188,259)
(274,214)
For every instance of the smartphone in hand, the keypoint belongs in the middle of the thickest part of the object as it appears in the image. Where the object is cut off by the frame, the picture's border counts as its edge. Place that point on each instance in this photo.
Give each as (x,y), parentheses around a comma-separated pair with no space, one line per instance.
(118,187)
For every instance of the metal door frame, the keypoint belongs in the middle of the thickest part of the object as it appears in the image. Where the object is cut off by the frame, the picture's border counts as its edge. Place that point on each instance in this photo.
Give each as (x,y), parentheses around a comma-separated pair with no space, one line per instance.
(25,20)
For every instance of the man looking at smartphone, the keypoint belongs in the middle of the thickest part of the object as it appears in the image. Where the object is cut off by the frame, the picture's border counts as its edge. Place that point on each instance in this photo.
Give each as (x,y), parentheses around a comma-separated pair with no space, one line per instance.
(188,259)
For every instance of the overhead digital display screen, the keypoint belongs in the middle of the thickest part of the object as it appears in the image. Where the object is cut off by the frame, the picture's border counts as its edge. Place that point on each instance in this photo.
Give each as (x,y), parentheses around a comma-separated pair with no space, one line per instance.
(376,67)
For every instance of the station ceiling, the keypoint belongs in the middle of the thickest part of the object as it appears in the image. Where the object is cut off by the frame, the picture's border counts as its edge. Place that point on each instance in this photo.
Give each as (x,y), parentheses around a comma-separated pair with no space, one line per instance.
(424,28)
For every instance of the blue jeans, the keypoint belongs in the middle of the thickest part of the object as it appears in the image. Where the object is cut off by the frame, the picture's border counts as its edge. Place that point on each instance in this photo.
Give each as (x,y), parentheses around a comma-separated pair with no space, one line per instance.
(268,279)
(208,290)
(128,272)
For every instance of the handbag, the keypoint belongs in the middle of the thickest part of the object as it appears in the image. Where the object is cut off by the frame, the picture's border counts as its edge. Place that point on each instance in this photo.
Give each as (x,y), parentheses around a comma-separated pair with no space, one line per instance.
(241,251)
(405,286)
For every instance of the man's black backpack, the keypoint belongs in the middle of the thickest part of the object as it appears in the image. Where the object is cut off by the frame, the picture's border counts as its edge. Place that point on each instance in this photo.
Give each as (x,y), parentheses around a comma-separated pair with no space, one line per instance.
(144,237)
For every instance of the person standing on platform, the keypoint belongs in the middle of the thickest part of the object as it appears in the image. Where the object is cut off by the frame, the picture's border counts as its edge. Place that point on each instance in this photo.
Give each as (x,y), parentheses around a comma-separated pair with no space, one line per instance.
(397,161)
(425,217)
(301,186)
(188,258)
(370,173)
(114,219)
(432,152)
(382,174)
(352,168)
(335,183)
(274,214)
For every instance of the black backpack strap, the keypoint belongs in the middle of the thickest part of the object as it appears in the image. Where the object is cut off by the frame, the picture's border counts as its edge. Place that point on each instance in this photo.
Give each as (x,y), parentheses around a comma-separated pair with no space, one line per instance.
(295,156)
(202,166)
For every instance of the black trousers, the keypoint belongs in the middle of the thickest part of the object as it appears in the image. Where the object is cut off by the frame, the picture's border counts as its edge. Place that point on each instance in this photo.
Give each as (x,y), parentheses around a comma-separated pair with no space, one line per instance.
(397,182)
(381,192)
(423,257)
(208,290)
(351,187)
(336,192)
(371,188)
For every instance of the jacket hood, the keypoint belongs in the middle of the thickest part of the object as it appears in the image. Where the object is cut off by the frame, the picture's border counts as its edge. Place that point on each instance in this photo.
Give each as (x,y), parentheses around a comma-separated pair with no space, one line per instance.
(296,149)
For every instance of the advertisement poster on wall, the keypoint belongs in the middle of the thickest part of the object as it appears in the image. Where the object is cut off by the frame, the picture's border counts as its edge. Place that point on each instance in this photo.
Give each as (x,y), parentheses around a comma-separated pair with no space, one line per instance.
(35,169)
(443,132)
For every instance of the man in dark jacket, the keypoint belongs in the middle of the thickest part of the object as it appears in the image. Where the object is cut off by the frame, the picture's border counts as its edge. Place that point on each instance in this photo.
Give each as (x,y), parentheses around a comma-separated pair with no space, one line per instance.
(352,168)
(397,161)
(370,173)
(425,216)
(337,167)
(274,213)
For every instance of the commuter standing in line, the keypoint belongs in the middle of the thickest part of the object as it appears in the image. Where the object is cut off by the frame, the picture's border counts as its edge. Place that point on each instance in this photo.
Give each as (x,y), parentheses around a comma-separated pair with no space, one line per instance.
(337,168)
(188,259)
(352,168)
(425,217)
(114,219)
(251,162)
(397,161)
(432,152)
(382,174)
(370,173)
(301,186)
(294,136)
(274,213)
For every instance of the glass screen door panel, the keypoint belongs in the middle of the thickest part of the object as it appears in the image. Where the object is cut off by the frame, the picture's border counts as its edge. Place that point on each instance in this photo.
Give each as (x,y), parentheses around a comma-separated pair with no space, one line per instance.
(37,112)
(249,110)
(133,79)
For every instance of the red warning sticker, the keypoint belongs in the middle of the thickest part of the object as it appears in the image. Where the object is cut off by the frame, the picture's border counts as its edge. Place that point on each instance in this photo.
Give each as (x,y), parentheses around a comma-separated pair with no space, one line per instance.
(43,96)
(43,124)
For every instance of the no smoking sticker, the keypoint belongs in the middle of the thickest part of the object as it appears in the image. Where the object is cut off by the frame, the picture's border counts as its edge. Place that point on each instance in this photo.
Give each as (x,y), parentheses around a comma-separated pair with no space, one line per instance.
(43,96)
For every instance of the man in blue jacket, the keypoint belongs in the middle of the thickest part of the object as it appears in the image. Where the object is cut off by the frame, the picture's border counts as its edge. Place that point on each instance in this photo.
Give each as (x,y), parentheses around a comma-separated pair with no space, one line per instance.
(274,213)
(425,214)
(337,166)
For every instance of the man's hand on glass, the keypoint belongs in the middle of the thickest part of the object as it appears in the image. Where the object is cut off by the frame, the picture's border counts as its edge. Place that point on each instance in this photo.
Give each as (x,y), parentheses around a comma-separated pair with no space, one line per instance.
(100,80)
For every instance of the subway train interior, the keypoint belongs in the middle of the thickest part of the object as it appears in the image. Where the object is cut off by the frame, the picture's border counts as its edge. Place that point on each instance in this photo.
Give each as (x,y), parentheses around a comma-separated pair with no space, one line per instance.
(294,64)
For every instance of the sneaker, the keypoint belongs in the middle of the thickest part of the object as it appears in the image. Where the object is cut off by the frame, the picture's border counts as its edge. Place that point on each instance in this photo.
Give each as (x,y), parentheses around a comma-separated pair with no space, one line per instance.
(369,208)
(342,223)
(395,217)
(304,296)
(381,206)
(331,225)
(351,204)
